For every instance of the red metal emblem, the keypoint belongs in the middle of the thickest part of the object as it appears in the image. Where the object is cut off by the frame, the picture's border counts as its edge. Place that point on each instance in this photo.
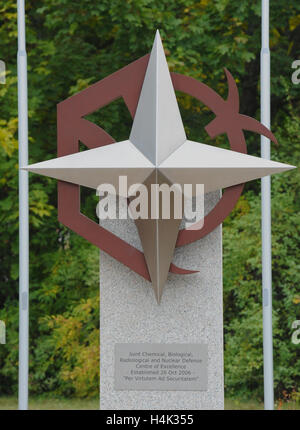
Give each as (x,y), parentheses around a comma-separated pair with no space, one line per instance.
(127,83)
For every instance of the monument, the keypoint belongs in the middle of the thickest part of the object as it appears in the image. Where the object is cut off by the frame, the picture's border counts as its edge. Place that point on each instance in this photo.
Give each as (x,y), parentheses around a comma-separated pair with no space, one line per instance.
(161,328)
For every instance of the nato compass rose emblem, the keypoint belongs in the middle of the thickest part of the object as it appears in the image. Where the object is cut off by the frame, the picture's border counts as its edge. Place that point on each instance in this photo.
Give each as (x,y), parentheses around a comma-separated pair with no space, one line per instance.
(156,152)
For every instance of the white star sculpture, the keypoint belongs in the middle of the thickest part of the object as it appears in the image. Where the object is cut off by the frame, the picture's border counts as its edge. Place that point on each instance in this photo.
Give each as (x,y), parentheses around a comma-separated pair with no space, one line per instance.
(158,151)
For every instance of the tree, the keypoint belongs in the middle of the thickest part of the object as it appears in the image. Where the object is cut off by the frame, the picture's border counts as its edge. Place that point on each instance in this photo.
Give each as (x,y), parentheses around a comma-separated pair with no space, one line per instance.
(70,46)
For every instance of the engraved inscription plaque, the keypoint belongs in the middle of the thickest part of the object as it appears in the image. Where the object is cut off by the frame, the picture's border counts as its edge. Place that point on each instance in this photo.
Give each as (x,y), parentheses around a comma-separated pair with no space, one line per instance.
(161,366)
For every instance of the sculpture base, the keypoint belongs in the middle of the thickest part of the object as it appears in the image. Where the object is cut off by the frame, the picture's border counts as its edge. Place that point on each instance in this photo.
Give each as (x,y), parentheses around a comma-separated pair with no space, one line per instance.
(189,316)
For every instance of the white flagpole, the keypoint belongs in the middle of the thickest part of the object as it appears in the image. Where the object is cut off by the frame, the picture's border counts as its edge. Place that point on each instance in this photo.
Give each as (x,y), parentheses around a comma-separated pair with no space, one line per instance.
(266,214)
(23,211)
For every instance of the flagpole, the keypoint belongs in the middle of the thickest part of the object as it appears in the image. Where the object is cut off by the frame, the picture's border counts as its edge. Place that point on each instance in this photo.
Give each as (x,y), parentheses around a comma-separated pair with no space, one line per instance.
(23,211)
(266,214)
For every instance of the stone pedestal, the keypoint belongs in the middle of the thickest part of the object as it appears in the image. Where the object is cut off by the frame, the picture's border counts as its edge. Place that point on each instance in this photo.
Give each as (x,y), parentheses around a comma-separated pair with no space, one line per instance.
(190,312)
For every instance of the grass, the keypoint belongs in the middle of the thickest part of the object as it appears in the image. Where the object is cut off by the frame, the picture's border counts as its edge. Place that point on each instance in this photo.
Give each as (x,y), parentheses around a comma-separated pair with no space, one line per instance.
(43,403)
(236,404)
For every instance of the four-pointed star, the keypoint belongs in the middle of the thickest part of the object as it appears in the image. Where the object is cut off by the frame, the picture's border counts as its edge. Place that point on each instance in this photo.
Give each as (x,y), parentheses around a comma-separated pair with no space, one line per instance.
(158,152)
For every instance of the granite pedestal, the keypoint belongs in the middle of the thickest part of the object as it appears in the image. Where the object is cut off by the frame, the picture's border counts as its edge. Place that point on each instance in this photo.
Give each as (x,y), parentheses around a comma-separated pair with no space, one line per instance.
(190,312)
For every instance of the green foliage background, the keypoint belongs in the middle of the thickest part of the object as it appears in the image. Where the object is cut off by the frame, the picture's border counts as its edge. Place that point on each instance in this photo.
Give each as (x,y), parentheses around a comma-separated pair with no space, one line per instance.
(73,44)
